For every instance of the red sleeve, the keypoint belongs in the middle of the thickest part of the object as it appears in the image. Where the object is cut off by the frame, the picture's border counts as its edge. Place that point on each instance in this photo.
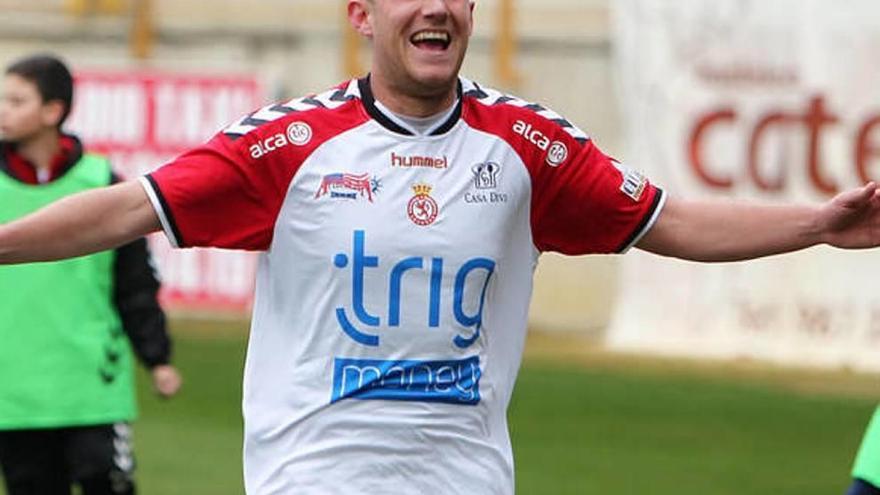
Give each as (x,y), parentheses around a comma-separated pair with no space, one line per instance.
(215,196)
(590,203)
(582,201)
(228,192)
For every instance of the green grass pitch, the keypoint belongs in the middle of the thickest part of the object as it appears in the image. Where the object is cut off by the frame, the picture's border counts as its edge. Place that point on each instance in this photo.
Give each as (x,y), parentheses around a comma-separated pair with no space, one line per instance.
(576,429)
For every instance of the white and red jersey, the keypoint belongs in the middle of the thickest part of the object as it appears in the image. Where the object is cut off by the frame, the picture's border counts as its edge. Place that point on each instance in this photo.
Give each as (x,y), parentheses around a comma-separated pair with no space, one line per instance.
(394,283)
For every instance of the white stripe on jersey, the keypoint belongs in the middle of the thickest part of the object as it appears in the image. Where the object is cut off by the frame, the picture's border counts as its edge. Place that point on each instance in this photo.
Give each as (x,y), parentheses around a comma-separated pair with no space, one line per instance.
(160,211)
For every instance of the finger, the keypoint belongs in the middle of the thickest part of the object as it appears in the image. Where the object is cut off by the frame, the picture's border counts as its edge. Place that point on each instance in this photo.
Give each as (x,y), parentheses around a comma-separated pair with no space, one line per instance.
(874,200)
(857,198)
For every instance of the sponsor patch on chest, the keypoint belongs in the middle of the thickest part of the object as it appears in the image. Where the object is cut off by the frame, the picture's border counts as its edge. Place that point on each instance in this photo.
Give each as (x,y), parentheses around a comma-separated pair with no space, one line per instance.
(348,186)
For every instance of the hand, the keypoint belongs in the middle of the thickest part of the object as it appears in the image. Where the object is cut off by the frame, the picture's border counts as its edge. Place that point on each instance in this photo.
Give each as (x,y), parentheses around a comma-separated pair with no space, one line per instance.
(166,380)
(852,218)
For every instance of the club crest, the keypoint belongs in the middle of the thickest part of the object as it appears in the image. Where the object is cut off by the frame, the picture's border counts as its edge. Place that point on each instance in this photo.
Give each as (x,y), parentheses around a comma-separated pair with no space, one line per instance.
(422,209)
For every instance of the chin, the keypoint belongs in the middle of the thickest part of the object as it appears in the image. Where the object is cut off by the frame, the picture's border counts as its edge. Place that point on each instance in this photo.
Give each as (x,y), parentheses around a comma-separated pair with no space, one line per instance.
(434,82)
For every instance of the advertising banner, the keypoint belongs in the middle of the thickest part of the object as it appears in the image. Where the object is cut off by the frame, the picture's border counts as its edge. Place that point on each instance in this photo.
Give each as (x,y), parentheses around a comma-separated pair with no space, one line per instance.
(760,101)
(142,120)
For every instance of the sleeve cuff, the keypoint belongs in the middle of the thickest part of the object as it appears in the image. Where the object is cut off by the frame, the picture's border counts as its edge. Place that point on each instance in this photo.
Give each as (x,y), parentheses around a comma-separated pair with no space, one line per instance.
(648,221)
(162,211)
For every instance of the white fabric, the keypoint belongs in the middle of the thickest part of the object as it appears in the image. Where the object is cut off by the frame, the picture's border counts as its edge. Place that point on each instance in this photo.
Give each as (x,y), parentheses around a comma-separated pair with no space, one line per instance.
(419,126)
(477,456)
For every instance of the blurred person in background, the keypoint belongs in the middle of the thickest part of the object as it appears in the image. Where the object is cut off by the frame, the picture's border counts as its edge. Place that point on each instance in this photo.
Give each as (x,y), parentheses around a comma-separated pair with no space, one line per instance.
(866,471)
(67,387)
(400,217)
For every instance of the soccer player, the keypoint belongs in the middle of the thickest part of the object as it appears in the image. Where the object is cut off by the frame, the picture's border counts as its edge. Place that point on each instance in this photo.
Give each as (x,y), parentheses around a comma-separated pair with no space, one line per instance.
(67,392)
(400,217)
(866,471)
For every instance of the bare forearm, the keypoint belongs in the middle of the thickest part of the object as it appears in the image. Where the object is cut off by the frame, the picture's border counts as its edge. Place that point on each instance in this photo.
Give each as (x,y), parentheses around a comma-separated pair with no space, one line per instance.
(80,224)
(728,231)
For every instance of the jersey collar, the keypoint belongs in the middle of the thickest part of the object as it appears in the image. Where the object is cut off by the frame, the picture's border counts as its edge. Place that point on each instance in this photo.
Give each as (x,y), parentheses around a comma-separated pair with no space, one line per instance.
(377,115)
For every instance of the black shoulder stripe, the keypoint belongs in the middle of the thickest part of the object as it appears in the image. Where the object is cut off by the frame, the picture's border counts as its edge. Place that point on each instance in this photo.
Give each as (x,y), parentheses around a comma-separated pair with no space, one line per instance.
(254,122)
(492,98)
(330,99)
(339,96)
(310,100)
(477,93)
(562,122)
(282,109)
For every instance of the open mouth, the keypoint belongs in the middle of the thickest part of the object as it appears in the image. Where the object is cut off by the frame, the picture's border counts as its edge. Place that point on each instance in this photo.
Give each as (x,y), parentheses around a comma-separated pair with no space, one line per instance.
(431,40)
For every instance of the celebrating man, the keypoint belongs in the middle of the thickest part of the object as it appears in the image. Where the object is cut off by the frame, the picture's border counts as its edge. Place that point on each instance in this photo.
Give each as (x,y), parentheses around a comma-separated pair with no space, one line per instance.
(391,301)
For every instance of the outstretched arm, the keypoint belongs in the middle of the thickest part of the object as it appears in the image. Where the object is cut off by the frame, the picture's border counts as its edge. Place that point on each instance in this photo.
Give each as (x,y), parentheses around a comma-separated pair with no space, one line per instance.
(80,224)
(727,231)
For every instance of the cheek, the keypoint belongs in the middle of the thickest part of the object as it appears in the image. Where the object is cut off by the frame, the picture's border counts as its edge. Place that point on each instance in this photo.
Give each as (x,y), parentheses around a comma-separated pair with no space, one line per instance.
(47,117)
(21,120)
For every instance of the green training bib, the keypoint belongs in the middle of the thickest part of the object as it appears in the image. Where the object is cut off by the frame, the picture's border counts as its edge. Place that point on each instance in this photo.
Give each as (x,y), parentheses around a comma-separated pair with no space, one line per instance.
(64,359)
(867,465)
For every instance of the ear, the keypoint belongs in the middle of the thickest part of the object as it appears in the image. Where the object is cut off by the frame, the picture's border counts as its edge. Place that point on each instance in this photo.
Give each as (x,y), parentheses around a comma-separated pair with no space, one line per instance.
(360,17)
(473,4)
(51,113)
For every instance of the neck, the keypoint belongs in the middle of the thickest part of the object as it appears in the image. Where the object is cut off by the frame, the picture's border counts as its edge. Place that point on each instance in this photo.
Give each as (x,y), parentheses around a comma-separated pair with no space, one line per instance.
(40,149)
(412,103)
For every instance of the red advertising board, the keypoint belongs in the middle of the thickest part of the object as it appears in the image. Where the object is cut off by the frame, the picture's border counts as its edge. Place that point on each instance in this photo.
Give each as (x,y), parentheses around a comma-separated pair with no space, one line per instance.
(141,120)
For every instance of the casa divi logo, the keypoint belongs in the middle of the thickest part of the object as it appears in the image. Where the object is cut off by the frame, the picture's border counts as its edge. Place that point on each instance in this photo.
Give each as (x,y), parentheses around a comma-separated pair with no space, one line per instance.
(298,133)
(486,175)
(557,151)
(485,185)
(467,292)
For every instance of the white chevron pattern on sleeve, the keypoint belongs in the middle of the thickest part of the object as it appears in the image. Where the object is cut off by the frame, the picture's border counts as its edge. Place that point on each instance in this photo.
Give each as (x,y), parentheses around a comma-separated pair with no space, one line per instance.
(331,99)
(490,97)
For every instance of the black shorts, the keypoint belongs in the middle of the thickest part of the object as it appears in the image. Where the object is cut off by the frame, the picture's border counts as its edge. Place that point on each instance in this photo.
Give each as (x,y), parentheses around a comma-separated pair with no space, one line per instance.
(862,487)
(48,461)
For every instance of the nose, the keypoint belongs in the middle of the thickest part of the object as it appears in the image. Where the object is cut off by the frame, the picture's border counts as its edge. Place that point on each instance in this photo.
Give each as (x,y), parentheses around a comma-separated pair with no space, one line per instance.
(435,9)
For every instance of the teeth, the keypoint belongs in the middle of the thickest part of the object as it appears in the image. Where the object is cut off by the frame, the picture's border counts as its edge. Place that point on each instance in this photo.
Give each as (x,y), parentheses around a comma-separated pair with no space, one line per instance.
(431,36)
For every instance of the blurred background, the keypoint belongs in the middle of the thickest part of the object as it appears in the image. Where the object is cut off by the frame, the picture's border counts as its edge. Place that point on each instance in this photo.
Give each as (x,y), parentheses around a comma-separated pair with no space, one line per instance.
(641,374)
